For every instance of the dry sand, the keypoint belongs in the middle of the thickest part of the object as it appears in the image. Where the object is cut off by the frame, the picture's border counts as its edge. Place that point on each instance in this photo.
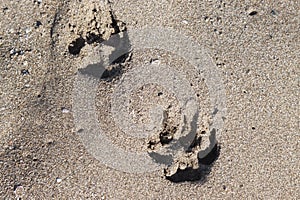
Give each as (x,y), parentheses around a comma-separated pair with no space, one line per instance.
(254,44)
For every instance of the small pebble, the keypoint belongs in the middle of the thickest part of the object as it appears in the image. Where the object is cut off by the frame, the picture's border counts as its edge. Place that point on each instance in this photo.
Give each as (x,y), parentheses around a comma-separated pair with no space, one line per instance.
(27,30)
(155,61)
(38,24)
(65,110)
(252,12)
(21,52)
(58,180)
(182,166)
(13,51)
(19,190)
(24,72)
(185,22)
(273,12)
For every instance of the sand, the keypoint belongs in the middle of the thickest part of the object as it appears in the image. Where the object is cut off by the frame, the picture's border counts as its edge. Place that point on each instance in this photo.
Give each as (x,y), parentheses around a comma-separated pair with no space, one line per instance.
(249,57)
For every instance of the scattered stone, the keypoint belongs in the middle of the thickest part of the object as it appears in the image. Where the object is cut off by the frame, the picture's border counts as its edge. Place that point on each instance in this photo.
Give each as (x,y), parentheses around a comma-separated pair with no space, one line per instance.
(12,51)
(19,191)
(58,180)
(38,1)
(155,61)
(16,52)
(185,22)
(24,72)
(273,12)
(49,141)
(64,110)
(252,13)
(38,24)
(27,30)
